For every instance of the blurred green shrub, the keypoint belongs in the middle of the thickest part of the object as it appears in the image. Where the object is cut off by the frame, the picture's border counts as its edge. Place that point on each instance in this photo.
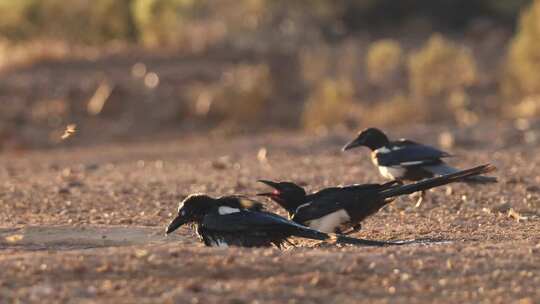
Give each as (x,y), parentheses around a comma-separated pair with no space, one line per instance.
(153,22)
(315,63)
(384,61)
(161,22)
(396,110)
(440,68)
(242,96)
(328,105)
(78,20)
(521,77)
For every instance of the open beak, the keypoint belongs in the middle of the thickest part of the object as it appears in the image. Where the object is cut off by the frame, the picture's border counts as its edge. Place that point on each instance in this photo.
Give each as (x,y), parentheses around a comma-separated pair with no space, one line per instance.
(176,223)
(268,194)
(272,184)
(353,144)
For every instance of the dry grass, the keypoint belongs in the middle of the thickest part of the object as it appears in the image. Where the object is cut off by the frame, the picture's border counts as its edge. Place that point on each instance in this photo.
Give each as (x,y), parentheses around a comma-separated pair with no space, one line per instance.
(523,62)
(328,105)
(394,111)
(283,67)
(440,67)
(384,62)
(521,81)
(240,97)
(439,74)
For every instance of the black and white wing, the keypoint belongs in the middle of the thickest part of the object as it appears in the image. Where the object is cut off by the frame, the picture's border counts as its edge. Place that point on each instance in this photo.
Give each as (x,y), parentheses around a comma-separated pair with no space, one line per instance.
(331,200)
(406,153)
(255,222)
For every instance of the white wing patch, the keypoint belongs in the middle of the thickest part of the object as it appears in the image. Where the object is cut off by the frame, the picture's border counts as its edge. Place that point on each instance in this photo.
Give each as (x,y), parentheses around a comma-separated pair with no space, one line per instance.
(330,222)
(382,150)
(302,206)
(227,210)
(392,172)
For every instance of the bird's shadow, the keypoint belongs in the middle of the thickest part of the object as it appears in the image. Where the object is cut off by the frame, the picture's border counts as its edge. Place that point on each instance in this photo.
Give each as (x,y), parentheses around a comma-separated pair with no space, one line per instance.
(422,241)
(377,243)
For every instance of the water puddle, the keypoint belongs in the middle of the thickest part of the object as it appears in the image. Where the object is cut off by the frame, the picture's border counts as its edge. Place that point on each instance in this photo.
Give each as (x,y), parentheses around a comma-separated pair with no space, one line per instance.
(69,237)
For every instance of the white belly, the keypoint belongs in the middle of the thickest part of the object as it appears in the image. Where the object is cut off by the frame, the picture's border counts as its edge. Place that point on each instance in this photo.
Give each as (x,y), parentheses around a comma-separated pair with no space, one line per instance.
(223,210)
(392,172)
(330,222)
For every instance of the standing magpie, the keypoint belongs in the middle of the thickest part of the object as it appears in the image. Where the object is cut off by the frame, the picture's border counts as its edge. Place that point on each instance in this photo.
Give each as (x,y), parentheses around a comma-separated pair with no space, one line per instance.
(407,160)
(341,209)
(237,221)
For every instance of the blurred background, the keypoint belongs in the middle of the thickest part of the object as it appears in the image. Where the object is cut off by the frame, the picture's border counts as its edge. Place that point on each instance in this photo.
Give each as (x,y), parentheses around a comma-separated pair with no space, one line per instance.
(121,70)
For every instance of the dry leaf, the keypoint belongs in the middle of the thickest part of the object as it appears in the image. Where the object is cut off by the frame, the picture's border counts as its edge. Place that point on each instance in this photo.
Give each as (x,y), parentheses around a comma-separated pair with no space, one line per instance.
(515,215)
(103,268)
(14,238)
(97,102)
(70,130)
(140,253)
(262,155)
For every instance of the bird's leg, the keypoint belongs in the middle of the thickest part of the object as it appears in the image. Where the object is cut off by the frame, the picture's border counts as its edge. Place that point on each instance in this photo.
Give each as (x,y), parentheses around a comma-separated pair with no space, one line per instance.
(420,199)
(354,228)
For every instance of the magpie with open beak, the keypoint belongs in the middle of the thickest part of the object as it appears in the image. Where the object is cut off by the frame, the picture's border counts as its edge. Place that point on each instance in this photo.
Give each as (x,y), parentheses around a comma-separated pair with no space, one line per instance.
(237,221)
(342,209)
(407,160)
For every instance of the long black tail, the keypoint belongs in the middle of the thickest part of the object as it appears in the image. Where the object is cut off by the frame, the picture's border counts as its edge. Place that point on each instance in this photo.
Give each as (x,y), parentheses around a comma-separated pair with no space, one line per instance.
(481,179)
(341,239)
(444,169)
(309,233)
(436,181)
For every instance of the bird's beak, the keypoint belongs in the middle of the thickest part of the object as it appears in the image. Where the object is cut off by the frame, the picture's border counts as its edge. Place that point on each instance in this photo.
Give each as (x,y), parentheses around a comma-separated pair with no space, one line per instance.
(176,223)
(353,144)
(271,184)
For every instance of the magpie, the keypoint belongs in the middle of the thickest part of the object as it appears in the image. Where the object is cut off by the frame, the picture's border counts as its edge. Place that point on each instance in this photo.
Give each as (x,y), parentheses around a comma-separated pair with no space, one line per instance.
(405,159)
(342,209)
(237,221)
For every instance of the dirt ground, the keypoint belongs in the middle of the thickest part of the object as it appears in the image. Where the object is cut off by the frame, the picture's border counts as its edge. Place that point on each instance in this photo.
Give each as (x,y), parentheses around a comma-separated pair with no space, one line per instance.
(87,225)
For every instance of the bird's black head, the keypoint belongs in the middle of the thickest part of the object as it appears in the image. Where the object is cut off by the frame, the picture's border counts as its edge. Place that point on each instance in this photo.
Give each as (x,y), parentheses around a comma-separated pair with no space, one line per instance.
(372,138)
(287,194)
(191,209)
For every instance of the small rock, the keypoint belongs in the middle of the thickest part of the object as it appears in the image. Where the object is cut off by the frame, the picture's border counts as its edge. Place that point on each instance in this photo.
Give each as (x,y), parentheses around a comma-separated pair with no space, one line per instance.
(533,189)
(63,190)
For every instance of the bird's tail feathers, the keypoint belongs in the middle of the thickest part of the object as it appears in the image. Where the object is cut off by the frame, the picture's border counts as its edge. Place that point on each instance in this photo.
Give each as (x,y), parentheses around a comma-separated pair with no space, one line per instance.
(443,169)
(481,179)
(313,234)
(437,181)
(341,239)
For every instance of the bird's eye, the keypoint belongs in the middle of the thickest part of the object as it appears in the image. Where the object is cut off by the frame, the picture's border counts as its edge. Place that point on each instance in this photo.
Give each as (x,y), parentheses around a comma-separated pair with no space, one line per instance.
(183,212)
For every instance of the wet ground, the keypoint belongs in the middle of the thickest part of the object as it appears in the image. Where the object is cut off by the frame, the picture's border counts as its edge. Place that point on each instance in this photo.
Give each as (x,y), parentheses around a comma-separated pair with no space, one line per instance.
(86,225)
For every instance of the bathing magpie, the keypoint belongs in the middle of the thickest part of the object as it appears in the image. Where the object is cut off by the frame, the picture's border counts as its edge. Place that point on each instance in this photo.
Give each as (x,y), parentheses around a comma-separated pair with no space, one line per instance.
(341,209)
(404,159)
(237,221)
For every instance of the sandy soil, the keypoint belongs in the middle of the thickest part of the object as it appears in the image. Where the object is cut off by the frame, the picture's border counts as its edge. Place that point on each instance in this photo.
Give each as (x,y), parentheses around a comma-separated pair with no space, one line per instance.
(86,225)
